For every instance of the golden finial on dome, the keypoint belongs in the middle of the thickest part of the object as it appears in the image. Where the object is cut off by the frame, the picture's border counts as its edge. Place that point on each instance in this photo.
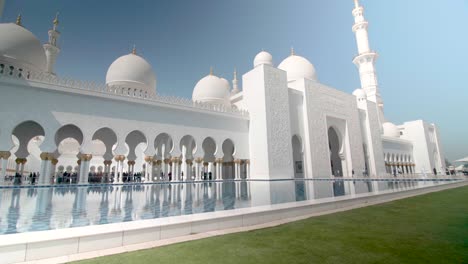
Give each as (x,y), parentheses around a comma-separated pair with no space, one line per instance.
(211,70)
(134,50)
(292,51)
(56,21)
(18,20)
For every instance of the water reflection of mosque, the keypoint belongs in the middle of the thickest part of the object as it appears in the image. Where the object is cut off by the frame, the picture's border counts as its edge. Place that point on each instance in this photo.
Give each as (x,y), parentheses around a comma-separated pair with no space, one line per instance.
(34,209)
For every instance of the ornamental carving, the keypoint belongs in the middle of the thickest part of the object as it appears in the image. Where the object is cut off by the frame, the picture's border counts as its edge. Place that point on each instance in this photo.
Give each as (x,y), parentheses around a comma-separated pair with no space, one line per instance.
(77,85)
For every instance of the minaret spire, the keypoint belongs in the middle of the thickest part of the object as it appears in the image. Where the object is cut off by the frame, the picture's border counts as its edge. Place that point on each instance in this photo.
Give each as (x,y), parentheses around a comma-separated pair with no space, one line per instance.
(235,86)
(134,52)
(51,48)
(365,60)
(211,70)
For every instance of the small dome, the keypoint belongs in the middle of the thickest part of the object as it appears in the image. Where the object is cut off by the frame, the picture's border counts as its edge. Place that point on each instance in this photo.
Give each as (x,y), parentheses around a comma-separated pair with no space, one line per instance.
(390,130)
(360,94)
(132,71)
(21,48)
(212,89)
(263,58)
(298,67)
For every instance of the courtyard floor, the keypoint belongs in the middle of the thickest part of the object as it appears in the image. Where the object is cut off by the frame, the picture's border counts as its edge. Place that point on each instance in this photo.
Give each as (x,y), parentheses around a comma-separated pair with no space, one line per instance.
(431,228)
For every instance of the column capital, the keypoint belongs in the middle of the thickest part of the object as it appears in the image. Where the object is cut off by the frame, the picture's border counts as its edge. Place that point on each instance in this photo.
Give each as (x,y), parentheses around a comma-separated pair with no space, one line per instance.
(21,160)
(86,157)
(157,162)
(5,154)
(237,161)
(247,162)
(189,161)
(119,158)
(107,162)
(149,158)
(54,161)
(219,160)
(46,156)
(198,160)
(131,162)
(167,161)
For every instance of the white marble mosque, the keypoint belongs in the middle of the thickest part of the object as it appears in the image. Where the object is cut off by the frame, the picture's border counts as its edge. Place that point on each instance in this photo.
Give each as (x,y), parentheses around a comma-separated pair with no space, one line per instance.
(282,124)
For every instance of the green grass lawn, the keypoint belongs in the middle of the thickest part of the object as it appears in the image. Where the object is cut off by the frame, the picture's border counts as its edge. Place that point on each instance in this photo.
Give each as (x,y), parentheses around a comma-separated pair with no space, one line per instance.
(432,228)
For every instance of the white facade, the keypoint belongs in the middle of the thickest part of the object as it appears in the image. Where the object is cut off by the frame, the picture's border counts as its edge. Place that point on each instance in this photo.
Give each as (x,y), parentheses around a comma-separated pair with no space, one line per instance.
(283,124)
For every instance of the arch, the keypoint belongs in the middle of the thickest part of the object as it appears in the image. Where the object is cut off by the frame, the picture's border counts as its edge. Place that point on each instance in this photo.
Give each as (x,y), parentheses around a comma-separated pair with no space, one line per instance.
(366,160)
(163,144)
(298,156)
(133,139)
(188,142)
(107,136)
(334,145)
(209,149)
(68,131)
(229,149)
(24,132)
(68,139)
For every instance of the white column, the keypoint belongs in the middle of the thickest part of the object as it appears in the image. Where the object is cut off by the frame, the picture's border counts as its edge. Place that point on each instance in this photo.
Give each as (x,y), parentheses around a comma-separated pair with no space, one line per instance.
(197,169)
(51,172)
(84,168)
(247,168)
(45,164)
(18,165)
(121,170)
(3,171)
(4,156)
(22,168)
(219,169)
(149,171)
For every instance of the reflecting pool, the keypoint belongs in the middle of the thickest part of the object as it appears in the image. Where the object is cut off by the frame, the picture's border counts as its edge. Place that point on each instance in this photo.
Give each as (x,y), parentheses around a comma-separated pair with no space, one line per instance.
(25,209)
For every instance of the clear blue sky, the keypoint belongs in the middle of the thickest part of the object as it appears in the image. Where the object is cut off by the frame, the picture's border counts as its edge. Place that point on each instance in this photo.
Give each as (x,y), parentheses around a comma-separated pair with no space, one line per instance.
(423,46)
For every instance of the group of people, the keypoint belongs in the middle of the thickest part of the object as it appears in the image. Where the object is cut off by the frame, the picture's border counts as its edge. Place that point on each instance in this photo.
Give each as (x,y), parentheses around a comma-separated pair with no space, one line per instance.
(67,177)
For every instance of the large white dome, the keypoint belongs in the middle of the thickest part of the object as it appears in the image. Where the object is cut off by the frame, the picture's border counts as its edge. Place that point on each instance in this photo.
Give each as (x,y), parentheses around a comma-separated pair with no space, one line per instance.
(212,89)
(21,48)
(132,71)
(263,58)
(390,130)
(298,67)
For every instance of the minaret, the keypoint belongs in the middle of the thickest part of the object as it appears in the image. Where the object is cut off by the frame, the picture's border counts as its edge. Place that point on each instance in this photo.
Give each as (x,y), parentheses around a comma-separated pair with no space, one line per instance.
(235,86)
(51,48)
(365,60)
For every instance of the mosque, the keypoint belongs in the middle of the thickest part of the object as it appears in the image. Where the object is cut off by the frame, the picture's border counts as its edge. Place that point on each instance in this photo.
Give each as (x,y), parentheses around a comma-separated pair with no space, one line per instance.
(282,124)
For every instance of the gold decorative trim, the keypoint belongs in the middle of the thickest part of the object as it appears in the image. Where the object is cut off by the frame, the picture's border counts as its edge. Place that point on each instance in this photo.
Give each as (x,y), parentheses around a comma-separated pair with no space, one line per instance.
(5,154)
(119,158)
(21,160)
